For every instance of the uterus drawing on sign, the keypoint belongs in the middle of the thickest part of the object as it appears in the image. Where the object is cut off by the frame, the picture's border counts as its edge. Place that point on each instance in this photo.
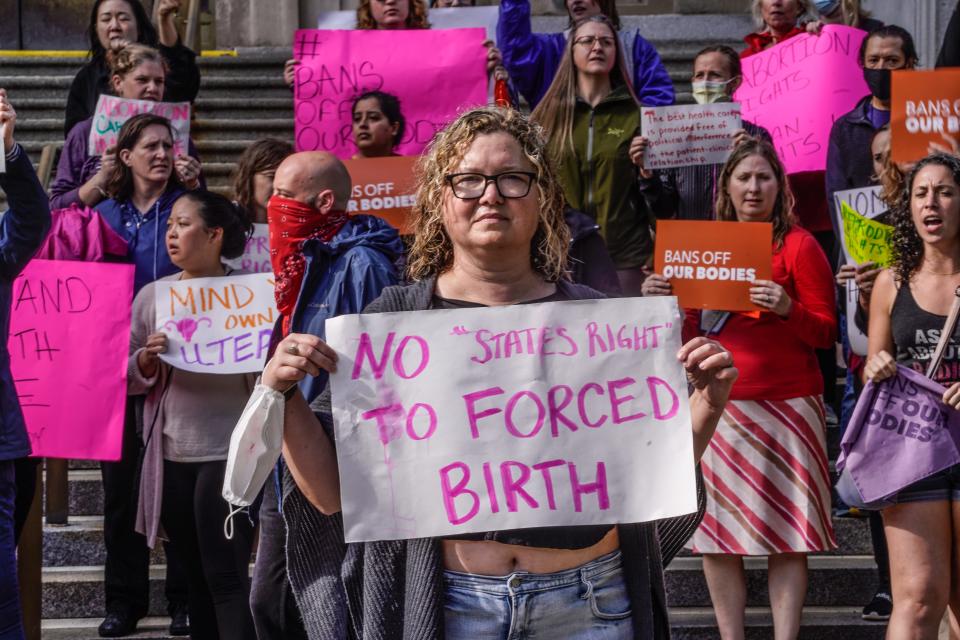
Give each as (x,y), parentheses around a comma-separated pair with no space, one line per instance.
(186,327)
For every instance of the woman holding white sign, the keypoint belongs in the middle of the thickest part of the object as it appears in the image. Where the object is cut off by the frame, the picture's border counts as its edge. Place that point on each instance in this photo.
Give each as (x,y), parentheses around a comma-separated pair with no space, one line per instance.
(137,72)
(188,419)
(766,473)
(490,232)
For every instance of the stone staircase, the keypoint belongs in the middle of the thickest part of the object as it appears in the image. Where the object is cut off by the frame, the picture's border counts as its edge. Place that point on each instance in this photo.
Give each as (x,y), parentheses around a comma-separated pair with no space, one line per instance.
(243,98)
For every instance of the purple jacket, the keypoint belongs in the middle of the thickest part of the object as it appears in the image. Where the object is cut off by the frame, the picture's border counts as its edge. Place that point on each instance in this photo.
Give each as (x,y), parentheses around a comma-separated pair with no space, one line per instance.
(76,167)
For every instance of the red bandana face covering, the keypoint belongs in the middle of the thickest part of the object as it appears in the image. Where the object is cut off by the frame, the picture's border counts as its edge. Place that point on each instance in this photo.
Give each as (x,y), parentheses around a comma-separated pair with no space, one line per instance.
(291,224)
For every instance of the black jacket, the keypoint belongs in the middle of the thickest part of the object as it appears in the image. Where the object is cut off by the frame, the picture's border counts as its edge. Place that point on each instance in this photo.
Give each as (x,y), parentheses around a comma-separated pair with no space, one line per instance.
(849,162)
(93,79)
(589,261)
(950,52)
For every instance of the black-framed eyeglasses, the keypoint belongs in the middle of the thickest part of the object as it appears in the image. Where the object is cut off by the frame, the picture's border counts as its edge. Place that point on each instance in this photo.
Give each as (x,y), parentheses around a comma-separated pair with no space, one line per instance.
(510,184)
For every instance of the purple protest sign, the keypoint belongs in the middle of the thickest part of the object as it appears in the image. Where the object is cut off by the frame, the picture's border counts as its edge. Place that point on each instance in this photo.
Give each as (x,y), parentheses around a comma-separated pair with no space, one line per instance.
(434,73)
(900,432)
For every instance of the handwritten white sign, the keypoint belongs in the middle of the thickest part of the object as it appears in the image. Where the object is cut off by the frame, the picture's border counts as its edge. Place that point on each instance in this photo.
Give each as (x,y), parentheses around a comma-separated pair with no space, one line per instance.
(689,134)
(217,325)
(113,112)
(256,255)
(868,203)
(553,414)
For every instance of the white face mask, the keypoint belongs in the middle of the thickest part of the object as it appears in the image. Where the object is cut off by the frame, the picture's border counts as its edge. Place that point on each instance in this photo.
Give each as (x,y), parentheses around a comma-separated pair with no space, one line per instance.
(255,447)
(708,92)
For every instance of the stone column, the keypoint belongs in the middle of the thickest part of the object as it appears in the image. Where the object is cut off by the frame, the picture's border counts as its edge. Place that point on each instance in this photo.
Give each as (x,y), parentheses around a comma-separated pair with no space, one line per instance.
(255,23)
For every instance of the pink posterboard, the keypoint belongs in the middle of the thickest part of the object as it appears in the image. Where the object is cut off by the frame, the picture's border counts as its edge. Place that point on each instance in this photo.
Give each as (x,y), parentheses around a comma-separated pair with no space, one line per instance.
(69,338)
(797,89)
(435,74)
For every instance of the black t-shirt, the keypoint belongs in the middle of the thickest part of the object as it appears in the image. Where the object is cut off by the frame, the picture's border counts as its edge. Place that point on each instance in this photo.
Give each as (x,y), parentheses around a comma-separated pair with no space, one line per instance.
(547,537)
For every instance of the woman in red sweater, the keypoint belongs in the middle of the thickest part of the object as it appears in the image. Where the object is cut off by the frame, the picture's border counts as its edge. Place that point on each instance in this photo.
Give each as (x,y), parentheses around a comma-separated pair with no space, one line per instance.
(766,474)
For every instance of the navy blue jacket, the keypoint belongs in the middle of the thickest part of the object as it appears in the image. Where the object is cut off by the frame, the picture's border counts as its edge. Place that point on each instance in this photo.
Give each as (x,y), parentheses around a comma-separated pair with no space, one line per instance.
(849,161)
(145,234)
(22,230)
(344,276)
(532,59)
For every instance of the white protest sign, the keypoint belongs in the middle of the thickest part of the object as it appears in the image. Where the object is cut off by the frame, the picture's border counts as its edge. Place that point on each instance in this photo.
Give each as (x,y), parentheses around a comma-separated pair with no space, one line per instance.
(217,325)
(449,18)
(459,421)
(112,112)
(256,255)
(690,134)
(868,203)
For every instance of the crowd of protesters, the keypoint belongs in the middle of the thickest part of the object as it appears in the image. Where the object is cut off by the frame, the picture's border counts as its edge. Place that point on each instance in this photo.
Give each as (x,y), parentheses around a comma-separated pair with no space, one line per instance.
(563,167)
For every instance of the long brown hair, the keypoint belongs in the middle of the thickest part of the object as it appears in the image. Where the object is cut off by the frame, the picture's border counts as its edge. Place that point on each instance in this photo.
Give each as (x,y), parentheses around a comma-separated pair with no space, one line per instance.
(432,251)
(782,217)
(416,19)
(262,155)
(120,183)
(556,109)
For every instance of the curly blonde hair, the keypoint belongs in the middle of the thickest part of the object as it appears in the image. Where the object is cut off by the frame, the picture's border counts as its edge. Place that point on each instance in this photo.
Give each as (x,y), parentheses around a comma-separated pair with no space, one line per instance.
(432,251)
(782,217)
(416,19)
(125,60)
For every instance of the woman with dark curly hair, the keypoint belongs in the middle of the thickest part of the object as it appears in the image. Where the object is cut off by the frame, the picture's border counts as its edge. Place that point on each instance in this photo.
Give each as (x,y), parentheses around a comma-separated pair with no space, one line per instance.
(908,308)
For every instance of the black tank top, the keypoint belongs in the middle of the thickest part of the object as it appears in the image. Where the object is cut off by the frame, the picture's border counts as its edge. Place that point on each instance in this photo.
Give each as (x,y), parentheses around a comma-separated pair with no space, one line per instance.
(916,333)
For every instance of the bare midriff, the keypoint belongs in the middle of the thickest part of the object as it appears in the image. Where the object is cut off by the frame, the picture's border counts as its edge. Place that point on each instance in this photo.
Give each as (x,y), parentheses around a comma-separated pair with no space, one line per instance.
(486,558)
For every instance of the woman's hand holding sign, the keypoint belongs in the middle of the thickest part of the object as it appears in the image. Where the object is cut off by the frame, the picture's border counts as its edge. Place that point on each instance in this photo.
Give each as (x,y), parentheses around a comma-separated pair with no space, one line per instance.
(149,356)
(771,296)
(880,367)
(638,147)
(297,356)
(711,373)
(656,285)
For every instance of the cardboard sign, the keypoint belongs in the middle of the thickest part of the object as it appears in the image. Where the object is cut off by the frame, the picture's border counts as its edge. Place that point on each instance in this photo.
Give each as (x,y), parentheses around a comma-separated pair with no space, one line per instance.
(383,187)
(711,264)
(865,240)
(113,112)
(924,106)
(868,204)
(435,74)
(217,325)
(68,344)
(256,255)
(689,134)
(798,88)
(536,415)
(449,18)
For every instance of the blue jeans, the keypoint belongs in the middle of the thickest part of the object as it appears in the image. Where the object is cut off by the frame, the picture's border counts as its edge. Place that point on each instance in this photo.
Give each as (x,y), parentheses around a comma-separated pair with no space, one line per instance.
(11,625)
(589,602)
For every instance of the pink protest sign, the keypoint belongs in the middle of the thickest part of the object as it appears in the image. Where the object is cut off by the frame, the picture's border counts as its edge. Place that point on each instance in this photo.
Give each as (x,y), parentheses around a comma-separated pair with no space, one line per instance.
(69,338)
(434,73)
(797,89)
(538,415)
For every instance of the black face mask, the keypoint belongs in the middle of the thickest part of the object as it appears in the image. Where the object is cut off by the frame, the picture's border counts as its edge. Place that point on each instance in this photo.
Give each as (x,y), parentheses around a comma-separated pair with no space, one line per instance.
(879,82)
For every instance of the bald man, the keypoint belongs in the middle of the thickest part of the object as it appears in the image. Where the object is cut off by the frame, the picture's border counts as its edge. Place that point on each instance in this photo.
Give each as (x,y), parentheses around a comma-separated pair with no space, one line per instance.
(326,264)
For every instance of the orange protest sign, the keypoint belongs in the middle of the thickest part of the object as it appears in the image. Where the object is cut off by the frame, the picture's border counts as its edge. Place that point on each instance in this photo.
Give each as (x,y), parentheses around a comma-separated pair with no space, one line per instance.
(924,105)
(711,264)
(383,187)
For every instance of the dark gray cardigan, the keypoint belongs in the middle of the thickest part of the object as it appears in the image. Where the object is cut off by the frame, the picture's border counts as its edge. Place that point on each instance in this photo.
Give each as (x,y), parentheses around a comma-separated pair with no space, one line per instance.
(394,589)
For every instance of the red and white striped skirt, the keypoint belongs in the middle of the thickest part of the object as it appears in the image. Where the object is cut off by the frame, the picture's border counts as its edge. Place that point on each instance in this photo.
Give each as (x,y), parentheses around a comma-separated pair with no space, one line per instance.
(767,480)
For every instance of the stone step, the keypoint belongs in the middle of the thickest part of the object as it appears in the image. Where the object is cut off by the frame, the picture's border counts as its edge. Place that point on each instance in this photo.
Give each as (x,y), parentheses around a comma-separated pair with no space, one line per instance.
(77,592)
(80,542)
(86,629)
(834,581)
(817,623)
(30,109)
